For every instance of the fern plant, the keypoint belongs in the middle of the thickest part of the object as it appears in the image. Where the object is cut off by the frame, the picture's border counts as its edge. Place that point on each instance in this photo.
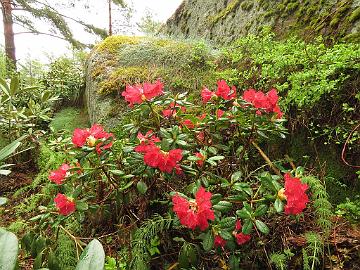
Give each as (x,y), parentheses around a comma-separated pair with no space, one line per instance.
(321,203)
(143,236)
(313,251)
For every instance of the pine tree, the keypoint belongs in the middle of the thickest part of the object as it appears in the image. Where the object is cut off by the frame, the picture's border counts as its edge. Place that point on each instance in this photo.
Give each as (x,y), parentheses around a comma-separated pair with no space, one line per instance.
(43,10)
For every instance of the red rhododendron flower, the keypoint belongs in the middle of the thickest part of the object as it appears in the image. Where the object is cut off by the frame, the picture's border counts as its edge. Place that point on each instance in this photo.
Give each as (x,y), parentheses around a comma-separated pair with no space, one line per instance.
(219,241)
(206,95)
(58,176)
(139,93)
(165,161)
(225,91)
(201,136)
(79,137)
(296,198)
(196,213)
(90,136)
(240,237)
(200,161)
(172,110)
(202,116)
(64,204)
(267,101)
(147,142)
(188,123)
(219,113)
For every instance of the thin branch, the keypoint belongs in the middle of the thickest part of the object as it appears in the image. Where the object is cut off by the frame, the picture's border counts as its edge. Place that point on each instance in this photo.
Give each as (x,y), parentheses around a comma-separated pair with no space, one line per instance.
(344,148)
(40,33)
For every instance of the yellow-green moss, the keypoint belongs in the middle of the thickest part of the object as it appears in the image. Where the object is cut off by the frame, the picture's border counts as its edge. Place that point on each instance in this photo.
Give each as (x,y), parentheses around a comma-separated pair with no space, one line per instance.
(247,5)
(353,37)
(128,75)
(113,43)
(355,15)
(224,12)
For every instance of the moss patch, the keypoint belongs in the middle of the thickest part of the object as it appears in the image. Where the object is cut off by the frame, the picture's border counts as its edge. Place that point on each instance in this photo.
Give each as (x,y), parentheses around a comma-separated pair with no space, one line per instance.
(68,119)
(113,43)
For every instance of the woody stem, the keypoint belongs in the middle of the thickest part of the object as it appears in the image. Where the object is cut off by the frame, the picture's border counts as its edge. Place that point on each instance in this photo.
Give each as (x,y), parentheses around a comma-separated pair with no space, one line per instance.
(154,114)
(266,158)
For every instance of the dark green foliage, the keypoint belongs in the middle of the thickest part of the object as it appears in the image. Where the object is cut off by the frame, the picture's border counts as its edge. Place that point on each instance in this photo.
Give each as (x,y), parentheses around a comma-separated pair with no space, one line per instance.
(66,79)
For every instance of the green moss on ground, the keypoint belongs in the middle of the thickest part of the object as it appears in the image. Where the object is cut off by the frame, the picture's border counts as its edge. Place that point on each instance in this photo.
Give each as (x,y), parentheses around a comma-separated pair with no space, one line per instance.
(68,119)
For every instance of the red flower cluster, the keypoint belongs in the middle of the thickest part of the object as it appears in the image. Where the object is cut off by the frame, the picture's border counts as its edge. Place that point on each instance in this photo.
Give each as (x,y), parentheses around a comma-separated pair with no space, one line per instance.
(64,204)
(164,161)
(172,110)
(219,241)
(295,195)
(155,157)
(267,101)
(201,159)
(224,91)
(58,176)
(139,93)
(147,142)
(196,213)
(90,136)
(241,238)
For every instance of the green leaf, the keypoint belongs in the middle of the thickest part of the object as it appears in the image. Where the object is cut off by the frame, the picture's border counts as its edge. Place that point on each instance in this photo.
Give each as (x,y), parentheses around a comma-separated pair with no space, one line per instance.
(279,205)
(9,150)
(93,257)
(208,241)
(247,227)
(82,206)
(262,227)
(216,198)
(117,172)
(141,187)
(5,87)
(226,235)
(261,210)
(187,256)
(216,158)
(236,198)
(3,201)
(14,85)
(9,248)
(223,206)
(236,176)
(228,223)
(234,262)
(126,186)
(243,213)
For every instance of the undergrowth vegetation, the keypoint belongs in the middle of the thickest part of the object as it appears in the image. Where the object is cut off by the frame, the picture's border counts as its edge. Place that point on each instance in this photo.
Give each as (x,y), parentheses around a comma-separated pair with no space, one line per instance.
(240,157)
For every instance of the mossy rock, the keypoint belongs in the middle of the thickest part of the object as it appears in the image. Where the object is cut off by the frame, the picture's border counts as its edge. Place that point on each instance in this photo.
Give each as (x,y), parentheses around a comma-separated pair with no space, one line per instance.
(119,61)
(225,21)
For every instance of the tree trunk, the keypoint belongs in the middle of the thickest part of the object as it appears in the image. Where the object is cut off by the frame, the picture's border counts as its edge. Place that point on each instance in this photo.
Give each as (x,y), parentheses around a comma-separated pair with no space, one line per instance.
(110,19)
(9,34)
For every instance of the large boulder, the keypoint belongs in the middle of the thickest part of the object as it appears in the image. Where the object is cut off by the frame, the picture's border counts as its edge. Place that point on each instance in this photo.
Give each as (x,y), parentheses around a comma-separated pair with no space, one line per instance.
(226,20)
(120,60)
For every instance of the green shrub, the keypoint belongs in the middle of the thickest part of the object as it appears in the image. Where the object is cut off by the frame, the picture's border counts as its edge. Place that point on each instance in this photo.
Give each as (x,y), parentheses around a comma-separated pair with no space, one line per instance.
(66,79)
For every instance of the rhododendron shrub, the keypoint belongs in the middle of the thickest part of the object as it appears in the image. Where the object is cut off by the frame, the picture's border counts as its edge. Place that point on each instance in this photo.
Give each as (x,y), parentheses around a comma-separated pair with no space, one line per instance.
(199,164)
